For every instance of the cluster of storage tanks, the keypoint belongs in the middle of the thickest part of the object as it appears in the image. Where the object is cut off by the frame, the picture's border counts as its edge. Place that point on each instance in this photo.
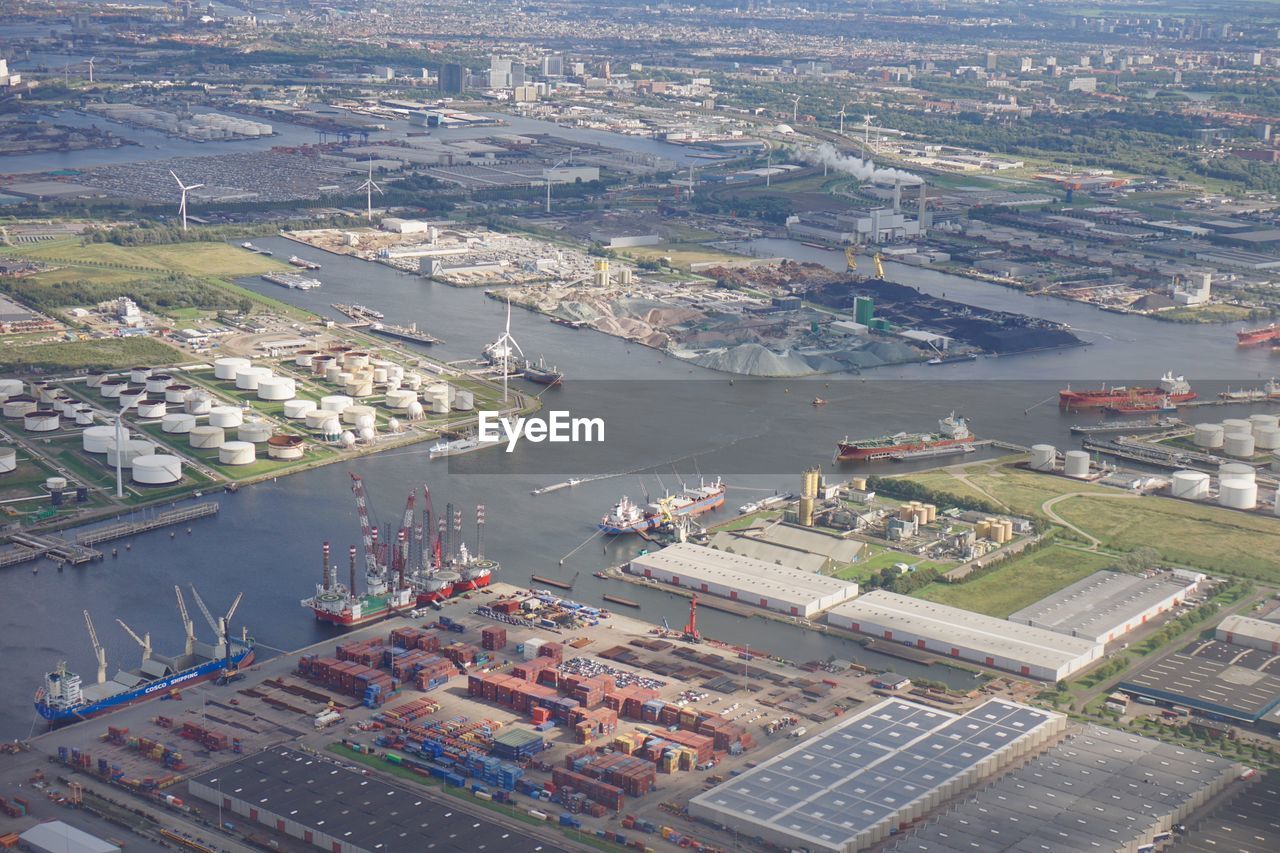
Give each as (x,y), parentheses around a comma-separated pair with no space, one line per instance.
(1237,485)
(998,530)
(40,406)
(921,513)
(1075,463)
(146,466)
(1241,438)
(218,126)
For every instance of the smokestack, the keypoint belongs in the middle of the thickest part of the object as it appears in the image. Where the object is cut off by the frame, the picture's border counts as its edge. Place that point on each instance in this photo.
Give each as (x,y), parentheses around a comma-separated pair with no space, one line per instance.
(352,589)
(924,208)
(897,195)
(327,584)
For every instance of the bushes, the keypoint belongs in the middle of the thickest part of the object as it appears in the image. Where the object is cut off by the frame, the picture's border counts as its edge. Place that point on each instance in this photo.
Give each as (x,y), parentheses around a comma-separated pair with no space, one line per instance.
(159,295)
(908,490)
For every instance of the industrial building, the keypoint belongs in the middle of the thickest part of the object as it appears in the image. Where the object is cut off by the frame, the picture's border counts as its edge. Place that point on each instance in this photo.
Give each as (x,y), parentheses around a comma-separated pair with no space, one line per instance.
(854,784)
(1250,632)
(1100,790)
(54,836)
(343,811)
(803,548)
(952,632)
(744,579)
(1105,605)
(1220,680)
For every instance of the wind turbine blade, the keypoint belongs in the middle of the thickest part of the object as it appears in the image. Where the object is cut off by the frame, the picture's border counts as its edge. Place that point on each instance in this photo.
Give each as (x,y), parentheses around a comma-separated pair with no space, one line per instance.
(175,177)
(193,187)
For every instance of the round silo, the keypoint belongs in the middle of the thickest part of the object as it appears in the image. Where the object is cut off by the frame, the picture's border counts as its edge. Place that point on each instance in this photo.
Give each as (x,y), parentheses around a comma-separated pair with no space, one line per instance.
(1208,435)
(248,378)
(228,366)
(1238,444)
(352,414)
(139,375)
(299,409)
(285,447)
(334,374)
(176,393)
(96,439)
(41,420)
(412,381)
(236,453)
(318,417)
(19,406)
(400,398)
(1266,437)
(1236,471)
(225,416)
(304,357)
(1043,457)
(207,437)
(127,451)
(336,403)
(177,423)
(198,403)
(55,484)
(1192,485)
(157,383)
(150,407)
(359,386)
(1076,464)
(1238,494)
(356,359)
(380,376)
(1263,421)
(1237,425)
(92,380)
(277,388)
(84,416)
(254,433)
(157,470)
(111,388)
(8,460)
(464,401)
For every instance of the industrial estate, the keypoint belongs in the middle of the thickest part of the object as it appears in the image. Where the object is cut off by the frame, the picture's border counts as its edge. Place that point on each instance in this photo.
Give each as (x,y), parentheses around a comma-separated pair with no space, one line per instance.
(932,495)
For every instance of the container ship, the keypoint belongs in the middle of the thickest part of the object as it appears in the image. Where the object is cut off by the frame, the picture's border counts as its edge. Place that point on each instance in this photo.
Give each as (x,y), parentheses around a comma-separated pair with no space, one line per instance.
(952,430)
(1175,388)
(65,699)
(1257,337)
(303,263)
(629,517)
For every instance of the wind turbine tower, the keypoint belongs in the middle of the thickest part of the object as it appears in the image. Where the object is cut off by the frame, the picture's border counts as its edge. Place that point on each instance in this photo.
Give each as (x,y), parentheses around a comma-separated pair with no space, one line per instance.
(369,186)
(182,206)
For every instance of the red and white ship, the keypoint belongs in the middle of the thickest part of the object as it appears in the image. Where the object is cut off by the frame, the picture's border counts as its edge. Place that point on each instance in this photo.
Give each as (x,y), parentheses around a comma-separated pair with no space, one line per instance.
(1257,337)
(952,431)
(1175,388)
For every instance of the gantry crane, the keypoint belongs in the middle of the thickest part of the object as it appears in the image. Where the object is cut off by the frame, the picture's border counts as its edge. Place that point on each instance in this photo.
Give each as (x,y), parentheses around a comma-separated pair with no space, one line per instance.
(99,652)
(144,641)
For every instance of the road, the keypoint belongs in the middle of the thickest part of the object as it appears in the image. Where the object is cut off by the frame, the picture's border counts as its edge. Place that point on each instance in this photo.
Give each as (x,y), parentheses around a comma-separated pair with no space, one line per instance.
(1094,542)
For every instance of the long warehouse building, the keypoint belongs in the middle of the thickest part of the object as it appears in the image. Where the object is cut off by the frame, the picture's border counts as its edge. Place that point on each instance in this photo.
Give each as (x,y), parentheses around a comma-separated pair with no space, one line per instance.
(858,782)
(1247,631)
(962,634)
(745,579)
(1106,605)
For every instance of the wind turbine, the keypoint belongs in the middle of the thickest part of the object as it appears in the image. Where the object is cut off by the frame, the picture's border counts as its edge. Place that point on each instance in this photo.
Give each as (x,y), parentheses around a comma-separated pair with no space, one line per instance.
(182,206)
(795,109)
(503,347)
(369,186)
(841,114)
(91,60)
(866,129)
(548,172)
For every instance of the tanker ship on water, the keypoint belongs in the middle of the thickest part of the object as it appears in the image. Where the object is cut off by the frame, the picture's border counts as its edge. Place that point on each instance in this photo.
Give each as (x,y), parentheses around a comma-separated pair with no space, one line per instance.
(1172,389)
(402,575)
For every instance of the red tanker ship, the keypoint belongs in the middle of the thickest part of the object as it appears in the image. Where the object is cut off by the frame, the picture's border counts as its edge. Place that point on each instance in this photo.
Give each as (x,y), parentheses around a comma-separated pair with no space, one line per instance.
(1175,388)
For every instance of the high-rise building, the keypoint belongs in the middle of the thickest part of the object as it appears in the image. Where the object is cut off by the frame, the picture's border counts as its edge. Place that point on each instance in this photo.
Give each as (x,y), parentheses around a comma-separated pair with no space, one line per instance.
(992,60)
(499,73)
(453,78)
(1025,66)
(517,75)
(553,66)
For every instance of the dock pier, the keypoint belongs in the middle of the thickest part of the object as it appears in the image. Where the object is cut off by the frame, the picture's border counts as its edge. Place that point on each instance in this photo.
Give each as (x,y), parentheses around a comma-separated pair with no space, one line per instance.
(122,529)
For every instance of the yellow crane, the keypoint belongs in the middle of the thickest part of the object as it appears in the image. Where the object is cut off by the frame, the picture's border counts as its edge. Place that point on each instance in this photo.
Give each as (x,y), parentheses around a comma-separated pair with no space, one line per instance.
(850,260)
(879,266)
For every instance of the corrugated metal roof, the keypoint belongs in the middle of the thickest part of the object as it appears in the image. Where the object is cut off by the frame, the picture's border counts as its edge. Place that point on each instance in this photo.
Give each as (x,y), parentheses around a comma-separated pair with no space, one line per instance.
(58,837)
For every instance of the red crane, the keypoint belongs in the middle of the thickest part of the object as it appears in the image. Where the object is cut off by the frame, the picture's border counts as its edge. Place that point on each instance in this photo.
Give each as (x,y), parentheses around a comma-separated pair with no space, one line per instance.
(372,570)
(402,537)
(691,630)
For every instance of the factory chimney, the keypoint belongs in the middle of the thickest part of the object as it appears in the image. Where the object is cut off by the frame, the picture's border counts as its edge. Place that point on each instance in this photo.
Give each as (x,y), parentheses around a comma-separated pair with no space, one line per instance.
(923,208)
(897,196)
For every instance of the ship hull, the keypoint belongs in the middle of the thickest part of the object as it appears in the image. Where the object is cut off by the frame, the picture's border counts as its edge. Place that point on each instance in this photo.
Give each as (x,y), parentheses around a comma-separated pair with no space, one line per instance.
(544,377)
(1126,397)
(1257,337)
(653,522)
(155,690)
(435,596)
(857,453)
(346,620)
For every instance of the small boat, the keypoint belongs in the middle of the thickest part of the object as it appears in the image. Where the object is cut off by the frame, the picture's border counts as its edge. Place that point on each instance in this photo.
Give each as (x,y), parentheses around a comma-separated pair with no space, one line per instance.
(818,401)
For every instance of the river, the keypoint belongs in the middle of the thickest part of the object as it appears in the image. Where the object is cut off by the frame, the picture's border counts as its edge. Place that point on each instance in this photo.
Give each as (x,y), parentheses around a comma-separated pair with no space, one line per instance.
(686,421)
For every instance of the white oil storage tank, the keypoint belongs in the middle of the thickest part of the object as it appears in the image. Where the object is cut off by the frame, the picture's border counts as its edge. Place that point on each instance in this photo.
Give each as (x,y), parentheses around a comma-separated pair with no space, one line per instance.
(304,357)
(178,422)
(1043,457)
(400,398)
(19,406)
(1208,435)
(336,403)
(236,453)
(1236,471)
(1275,461)
(254,433)
(14,387)
(359,386)
(320,364)
(139,375)
(127,451)
(1266,437)
(1192,485)
(55,484)
(285,447)
(352,414)
(96,439)
(111,388)
(8,460)
(277,388)
(228,366)
(176,393)
(41,420)
(207,437)
(464,400)
(92,380)
(157,470)
(1238,494)
(198,403)
(298,409)
(152,407)
(1076,464)
(318,418)
(84,416)
(1263,421)
(1238,444)
(157,382)
(249,378)
(225,416)
(130,396)
(356,359)
(1237,425)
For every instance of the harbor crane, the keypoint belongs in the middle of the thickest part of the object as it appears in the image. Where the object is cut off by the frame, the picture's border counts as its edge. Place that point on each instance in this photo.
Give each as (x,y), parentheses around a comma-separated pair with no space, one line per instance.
(144,641)
(222,628)
(187,625)
(98,651)
(373,572)
(691,630)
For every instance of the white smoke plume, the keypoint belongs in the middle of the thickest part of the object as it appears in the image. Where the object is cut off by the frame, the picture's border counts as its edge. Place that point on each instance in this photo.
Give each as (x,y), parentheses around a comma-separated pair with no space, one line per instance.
(863,170)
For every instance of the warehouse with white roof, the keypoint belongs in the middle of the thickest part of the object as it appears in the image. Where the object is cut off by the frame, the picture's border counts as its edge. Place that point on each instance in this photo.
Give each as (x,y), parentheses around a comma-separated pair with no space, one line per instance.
(952,632)
(1247,631)
(746,579)
(1106,605)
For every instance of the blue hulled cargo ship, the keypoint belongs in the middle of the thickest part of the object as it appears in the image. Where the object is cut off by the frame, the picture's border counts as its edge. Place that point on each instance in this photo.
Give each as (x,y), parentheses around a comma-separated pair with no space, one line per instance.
(65,699)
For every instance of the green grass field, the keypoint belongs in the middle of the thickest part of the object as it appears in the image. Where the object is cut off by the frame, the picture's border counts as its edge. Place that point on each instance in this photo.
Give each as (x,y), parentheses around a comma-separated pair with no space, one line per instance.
(681,254)
(197,258)
(876,558)
(80,355)
(1019,582)
(1020,490)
